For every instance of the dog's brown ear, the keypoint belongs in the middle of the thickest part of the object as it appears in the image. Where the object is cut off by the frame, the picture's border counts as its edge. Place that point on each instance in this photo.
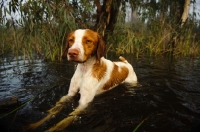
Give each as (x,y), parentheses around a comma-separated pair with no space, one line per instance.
(64,55)
(101,48)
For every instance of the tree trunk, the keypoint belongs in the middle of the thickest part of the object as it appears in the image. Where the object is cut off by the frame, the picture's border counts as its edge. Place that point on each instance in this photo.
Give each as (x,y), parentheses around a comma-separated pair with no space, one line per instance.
(184,15)
(106,16)
(185,12)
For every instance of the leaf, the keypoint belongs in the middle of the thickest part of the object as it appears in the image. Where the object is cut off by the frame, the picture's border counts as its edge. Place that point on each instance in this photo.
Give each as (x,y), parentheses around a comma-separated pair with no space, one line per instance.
(140,124)
(49,11)
(7,24)
(65,17)
(7,11)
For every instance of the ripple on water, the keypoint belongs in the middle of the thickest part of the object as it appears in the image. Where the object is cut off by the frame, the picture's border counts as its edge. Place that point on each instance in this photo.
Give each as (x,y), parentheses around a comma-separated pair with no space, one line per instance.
(167,97)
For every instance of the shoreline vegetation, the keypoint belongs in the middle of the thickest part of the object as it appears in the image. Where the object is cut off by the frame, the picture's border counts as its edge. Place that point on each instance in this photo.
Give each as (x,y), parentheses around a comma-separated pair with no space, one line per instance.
(43,26)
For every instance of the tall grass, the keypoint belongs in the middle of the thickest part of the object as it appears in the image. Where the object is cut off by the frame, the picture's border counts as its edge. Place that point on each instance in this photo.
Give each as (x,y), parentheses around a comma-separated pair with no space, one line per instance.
(136,38)
(40,31)
(46,41)
(43,40)
(45,37)
(155,39)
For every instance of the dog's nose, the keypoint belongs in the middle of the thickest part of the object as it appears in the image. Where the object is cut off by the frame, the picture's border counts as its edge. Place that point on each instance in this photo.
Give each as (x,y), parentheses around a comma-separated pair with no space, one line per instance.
(73,52)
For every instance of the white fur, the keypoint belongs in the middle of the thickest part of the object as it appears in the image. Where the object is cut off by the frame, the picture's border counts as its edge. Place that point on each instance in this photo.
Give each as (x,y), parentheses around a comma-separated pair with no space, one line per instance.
(89,86)
(84,82)
(78,43)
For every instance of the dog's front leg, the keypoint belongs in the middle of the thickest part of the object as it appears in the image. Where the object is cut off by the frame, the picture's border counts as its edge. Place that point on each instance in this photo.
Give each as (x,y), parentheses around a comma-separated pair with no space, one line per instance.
(58,107)
(73,116)
(87,93)
(51,114)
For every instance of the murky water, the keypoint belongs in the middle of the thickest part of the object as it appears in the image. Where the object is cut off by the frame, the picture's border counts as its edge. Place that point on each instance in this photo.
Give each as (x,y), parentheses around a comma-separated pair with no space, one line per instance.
(166,99)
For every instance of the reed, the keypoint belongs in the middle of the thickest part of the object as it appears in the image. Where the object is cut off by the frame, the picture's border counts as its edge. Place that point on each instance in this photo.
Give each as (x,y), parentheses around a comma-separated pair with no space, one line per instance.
(155,39)
(47,40)
(133,38)
(43,25)
(4,40)
(37,32)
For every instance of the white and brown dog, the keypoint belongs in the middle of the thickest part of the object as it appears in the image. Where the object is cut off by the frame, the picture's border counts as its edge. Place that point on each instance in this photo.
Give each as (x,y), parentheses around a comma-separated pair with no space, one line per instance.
(94,74)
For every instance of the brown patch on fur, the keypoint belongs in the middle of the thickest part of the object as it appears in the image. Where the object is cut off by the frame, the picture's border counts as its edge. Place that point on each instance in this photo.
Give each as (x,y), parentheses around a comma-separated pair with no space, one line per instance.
(99,70)
(93,45)
(89,42)
(92,42)
(116,77)
(69,43)
(101,48)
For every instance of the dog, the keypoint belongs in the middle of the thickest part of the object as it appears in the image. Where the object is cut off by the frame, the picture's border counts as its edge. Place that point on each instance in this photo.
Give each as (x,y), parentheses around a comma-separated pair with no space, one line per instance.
(94,74)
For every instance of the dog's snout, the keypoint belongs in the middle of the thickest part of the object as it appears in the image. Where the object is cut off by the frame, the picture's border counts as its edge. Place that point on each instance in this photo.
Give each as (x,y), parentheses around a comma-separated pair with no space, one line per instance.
(73,52)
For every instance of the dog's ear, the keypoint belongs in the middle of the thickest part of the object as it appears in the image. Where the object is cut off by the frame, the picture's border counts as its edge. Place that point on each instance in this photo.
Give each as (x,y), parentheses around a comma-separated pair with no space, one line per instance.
(64,56)
(101,48)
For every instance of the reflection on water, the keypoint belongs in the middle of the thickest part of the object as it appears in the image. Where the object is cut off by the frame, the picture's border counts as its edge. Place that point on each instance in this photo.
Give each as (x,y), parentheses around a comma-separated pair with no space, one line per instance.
(166,99)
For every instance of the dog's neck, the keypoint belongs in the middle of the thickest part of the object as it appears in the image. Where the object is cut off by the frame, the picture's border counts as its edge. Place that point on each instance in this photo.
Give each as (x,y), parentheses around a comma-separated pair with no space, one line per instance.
(89,62)
(84,66)
(87,65)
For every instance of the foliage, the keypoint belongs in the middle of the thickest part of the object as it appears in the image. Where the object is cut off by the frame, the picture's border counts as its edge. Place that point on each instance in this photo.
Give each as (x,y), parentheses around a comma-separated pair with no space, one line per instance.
(152,27)
(40,30)
(155,38)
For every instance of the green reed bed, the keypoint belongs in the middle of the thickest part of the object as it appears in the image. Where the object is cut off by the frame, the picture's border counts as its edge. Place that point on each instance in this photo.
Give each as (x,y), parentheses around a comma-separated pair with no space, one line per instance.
(48,42)
(29,28)
(40,29)
(152,40)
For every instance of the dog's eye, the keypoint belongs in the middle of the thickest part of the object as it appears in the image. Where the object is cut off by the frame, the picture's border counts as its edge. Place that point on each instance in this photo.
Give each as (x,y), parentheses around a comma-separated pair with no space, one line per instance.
(88,41)
(70,40)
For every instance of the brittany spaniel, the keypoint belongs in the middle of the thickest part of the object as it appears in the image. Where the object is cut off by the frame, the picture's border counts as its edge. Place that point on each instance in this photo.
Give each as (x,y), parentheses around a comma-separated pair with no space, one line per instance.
(94,74)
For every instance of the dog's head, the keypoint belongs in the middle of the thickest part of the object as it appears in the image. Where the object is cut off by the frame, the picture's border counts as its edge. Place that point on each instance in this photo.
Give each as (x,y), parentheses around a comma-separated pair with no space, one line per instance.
(82,44)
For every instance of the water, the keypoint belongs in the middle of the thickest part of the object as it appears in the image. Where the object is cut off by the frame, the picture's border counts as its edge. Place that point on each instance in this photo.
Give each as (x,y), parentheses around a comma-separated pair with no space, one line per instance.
(166,99)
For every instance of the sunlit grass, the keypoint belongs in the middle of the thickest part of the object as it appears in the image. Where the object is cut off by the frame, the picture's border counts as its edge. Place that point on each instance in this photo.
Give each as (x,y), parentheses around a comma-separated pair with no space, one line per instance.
(42,27)
(48,40)
(138,40)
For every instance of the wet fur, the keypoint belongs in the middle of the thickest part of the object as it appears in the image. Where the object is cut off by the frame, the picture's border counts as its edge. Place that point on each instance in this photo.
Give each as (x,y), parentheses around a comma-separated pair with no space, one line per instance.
(102,75)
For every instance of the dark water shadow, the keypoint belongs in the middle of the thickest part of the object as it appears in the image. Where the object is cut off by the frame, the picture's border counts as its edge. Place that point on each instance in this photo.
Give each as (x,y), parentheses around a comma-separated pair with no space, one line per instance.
(166,99)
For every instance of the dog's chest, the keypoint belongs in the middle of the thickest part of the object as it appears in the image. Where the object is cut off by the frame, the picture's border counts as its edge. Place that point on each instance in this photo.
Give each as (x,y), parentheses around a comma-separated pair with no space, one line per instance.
(84,72)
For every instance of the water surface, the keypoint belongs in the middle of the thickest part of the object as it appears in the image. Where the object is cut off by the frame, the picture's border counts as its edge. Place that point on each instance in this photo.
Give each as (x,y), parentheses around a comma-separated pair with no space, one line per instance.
(166,99)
